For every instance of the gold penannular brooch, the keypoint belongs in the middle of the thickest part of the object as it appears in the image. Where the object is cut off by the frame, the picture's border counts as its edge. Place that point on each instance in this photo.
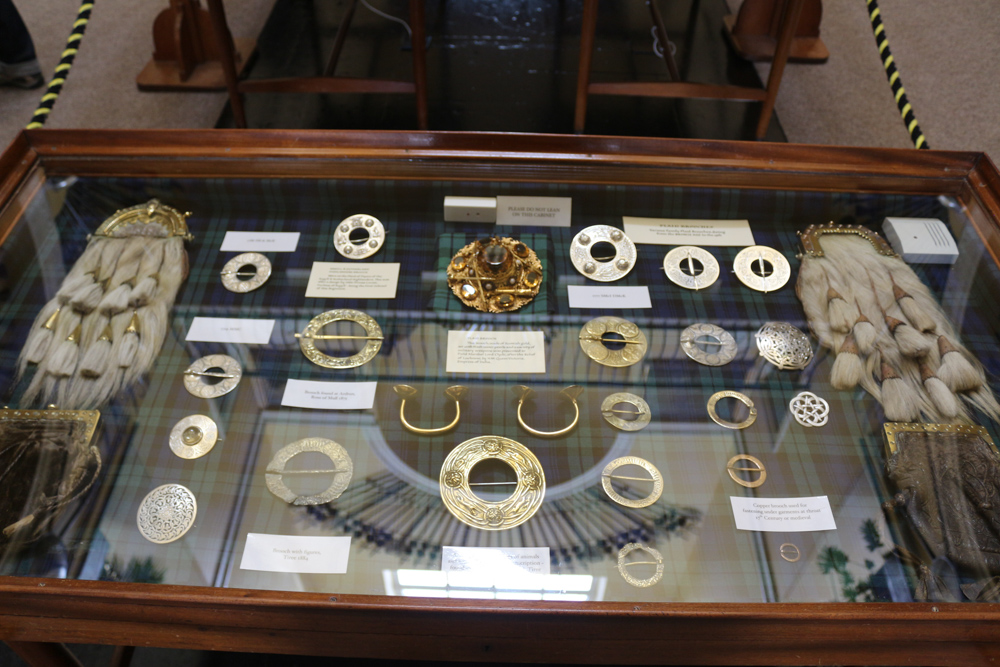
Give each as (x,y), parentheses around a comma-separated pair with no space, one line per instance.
(571,393)
(405,391)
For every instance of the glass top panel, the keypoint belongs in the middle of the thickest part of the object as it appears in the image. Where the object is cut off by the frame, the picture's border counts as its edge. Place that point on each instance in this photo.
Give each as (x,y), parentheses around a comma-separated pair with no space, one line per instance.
(392,508)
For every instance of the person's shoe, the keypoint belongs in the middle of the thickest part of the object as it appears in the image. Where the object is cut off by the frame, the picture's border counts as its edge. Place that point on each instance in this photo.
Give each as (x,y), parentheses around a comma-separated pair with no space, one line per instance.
(26,75)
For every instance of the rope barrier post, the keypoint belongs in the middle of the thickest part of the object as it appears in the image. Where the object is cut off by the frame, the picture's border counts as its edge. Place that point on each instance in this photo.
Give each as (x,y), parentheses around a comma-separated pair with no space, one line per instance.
(892,73)
(62,69)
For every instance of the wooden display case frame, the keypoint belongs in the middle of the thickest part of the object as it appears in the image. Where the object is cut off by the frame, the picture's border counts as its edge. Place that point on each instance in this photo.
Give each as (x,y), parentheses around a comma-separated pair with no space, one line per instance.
(51,610)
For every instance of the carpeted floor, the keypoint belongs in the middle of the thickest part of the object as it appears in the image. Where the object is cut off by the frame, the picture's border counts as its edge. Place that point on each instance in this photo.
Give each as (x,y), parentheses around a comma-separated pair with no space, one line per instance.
(945,52)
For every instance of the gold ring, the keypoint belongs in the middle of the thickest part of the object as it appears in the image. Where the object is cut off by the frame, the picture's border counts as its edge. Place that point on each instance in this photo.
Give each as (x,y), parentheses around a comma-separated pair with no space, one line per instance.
(343,469)
(656,478)
(472,510)
(455,393)
(572,393)
(373,338)
(790,552)
(732,468)
(742,398)
(640,583)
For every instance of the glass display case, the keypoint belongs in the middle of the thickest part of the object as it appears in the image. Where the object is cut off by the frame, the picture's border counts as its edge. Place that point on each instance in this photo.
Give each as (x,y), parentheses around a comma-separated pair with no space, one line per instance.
(700,589)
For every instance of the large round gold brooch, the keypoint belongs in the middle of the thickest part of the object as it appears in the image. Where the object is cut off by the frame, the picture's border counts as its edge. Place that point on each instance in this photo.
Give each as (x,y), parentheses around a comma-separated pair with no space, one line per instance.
(495,275)
(472,510)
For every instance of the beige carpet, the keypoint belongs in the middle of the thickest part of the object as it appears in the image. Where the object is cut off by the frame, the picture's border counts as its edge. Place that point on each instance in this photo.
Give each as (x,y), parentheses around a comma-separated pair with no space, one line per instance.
(948,54)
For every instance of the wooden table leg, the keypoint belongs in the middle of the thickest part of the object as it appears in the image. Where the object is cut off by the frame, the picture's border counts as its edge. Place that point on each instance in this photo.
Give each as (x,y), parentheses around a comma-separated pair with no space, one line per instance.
(419,51)
(224,41)
(787,31)
(44,654)
(583,67)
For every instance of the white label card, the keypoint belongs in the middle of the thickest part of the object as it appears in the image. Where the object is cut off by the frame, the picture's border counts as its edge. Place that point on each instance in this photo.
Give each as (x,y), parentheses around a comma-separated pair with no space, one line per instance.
(329,280)
(296,553)
(329,395)
(606,296)
(670,231)
(230,330)
(535,211)
(496,352)
(783,515)
(260,242)
(497,563)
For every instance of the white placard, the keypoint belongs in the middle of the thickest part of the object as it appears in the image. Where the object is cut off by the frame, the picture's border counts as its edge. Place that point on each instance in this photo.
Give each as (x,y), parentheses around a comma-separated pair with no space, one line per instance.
(607,296)
(496,352)
(344,280)
(329,395)
(296,553)
(260,242)
(230,330)
(671,231)
(783,515)
(535,211)
(497,563)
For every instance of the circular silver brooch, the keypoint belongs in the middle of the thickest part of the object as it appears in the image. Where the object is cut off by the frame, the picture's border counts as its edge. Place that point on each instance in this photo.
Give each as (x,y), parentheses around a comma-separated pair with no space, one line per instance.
(212,376)
(602,253)
(373,338)
(784,345)
(698,336)
(342,471)
(691,267)
(359,236)
(167,513)
(637,408)
(246,272)
(193,437)
(762,268)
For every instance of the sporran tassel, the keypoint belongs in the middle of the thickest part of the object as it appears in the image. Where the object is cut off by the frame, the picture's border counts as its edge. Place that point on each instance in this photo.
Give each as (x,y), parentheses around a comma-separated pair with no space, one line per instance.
(946,402)
(912,310)
(130,343)
(864,335)
(911,343)
(847,367)
(899,401)
(842,314)
(97,359)
(955,370)
(62,362)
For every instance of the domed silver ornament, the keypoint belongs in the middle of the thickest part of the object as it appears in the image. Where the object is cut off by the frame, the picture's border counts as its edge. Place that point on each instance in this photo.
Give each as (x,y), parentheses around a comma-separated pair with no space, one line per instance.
(784,345)
(167,513)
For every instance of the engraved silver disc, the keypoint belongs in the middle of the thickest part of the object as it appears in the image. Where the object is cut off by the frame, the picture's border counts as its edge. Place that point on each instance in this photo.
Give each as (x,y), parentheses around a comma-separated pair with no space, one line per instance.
(343,469)
(751,263)
(167,513)
(236,278)
(604,269)
(193,437)
(721,342)
(199,378)
(612,413)
(362,246)
(680,265)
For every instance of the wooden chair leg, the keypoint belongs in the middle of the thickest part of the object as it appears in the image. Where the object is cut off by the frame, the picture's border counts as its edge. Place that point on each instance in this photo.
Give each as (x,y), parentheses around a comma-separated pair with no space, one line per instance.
(224,41)
(419,51)
(338,41)
(583,66)
(44,654)
(784,47)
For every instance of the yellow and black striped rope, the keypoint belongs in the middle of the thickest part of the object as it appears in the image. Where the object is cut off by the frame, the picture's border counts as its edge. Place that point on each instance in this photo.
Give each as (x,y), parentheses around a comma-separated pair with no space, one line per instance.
(905,108)
(62,69)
